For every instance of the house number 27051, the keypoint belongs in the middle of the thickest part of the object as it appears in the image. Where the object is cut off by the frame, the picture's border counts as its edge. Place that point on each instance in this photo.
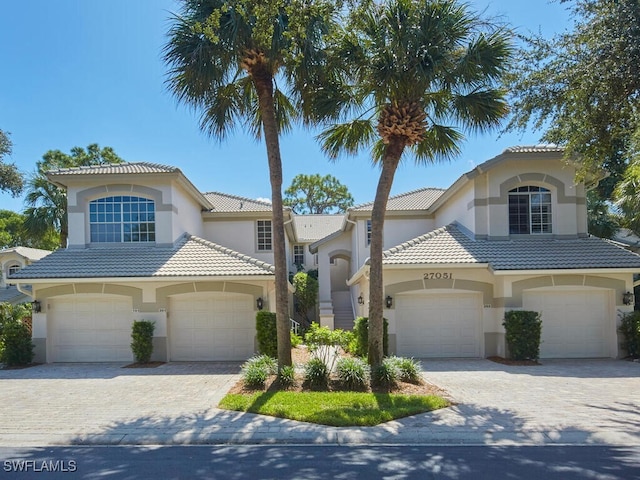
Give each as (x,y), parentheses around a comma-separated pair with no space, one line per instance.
(437,276)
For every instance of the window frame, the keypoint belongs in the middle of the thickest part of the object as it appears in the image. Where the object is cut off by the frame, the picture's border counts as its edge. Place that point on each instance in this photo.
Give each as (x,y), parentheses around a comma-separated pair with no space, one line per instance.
(13,268)
(297,255)
(264,236)
(122,219)
(532,213)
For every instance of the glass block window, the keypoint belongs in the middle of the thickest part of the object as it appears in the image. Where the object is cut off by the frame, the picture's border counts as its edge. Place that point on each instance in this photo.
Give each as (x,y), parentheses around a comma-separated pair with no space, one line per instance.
(122,219)
(529,210)
(265,239)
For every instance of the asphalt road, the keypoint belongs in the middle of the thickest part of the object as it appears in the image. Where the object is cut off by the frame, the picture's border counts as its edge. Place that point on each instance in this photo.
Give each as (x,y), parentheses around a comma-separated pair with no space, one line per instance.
(311,462)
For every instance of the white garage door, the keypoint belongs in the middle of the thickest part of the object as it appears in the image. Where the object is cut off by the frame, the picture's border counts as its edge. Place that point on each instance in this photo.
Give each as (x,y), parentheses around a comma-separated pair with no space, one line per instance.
(446,325)
(90,328)
(211,327)
(575,324)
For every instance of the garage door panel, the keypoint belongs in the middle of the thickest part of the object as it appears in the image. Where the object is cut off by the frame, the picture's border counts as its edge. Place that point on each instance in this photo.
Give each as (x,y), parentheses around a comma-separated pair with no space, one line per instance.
(224,330)
(91,329)
(575,324)
(446,325)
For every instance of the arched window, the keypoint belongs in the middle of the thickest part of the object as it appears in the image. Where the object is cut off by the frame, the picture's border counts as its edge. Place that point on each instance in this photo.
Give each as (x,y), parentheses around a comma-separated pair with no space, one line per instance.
(529,210)
(13,269)
(122,219)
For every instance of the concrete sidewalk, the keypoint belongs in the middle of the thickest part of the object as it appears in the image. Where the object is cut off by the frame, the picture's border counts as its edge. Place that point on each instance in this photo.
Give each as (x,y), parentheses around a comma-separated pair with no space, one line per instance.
(560,402)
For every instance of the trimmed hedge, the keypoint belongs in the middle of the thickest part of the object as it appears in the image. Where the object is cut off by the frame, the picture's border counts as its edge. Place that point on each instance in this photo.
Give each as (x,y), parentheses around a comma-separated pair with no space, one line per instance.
(16,347)
(523,330)
(142,340)
(360,346)
(630,329)
(267,334)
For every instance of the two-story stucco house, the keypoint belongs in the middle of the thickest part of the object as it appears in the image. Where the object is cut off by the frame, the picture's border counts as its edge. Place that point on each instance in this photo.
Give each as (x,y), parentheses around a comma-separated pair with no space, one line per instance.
(144,243)
(12,260)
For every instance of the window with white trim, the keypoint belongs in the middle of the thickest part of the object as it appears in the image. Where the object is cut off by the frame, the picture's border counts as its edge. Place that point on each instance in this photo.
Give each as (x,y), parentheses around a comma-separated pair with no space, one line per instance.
(265,239)
(529,210)
(368,232)
(122,219)
(298,254)
(13,269)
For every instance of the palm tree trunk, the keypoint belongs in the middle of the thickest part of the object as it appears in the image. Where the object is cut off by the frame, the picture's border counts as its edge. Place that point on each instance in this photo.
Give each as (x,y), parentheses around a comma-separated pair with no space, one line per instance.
(264,88)
(390,161)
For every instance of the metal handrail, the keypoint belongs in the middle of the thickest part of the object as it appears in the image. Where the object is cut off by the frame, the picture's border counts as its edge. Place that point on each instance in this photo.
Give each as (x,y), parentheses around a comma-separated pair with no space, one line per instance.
(295,326)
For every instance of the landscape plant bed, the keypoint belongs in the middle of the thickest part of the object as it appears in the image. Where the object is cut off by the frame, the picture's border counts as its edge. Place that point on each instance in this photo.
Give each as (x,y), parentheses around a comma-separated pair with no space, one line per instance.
(506,361)
(144,365)
(18,367)
(332,404)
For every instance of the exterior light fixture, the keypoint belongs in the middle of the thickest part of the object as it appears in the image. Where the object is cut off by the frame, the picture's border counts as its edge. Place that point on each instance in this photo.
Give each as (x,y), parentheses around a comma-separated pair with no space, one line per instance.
(360,300)
(628,298)
(36,307)
(388,301)
(260,303)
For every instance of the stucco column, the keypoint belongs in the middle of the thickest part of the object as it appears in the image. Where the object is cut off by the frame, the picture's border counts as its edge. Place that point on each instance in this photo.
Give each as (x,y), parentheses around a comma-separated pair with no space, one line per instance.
(324,290)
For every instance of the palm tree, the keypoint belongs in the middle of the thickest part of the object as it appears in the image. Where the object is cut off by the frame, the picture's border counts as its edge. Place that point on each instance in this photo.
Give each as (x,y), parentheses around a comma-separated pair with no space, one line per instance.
(226,60)
(46,210)
(627,197)
(421,73)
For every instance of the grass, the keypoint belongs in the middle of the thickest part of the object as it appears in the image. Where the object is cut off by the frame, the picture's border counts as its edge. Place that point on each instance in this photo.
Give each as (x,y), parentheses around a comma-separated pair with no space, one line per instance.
(338,409)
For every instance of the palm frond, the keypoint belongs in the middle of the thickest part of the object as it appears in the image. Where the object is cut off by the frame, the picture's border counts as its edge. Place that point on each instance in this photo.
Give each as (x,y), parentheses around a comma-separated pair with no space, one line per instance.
(347,137)
(441,144)
(481,109)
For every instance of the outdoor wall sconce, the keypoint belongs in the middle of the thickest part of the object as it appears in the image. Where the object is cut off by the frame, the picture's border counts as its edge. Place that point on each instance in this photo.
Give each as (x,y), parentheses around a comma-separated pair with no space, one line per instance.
(628,298)
(388,301)
(36,307)
(260,303)
(360,300)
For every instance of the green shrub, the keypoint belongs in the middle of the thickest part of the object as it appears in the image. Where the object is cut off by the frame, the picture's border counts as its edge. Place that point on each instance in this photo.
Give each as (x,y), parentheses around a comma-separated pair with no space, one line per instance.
(316,373)
(296,340)
(360,344)
(270,364)
(266,333)
(287,376)
(408,368)
(16,347)
(353,372)
(523,329)
(386,374)
(254,375)
(630,329)
(256,370)
(325,344)
(142,340)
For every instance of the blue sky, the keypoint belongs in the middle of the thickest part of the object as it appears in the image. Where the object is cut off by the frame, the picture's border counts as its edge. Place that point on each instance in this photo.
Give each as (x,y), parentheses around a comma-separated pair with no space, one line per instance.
(75,72)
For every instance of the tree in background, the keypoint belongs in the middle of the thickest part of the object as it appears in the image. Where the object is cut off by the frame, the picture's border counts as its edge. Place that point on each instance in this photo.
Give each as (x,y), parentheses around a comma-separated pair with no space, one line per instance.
(228,59)
(315,194)
(420,73)
(627,198)
(581,88)
(10,177)
(13,233)
(46,210)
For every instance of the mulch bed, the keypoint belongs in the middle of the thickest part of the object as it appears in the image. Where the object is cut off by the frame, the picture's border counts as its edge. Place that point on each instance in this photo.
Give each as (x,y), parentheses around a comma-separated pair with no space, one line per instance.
(300,356)
(521,363)
(18,367)
(144,365)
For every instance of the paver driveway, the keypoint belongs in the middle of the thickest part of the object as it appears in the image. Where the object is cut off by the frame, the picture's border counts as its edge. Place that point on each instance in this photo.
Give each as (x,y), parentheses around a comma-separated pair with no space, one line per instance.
(587,401)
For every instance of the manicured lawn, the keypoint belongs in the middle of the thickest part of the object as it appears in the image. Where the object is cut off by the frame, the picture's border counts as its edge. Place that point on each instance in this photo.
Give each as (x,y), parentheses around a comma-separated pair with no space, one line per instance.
(339,409)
